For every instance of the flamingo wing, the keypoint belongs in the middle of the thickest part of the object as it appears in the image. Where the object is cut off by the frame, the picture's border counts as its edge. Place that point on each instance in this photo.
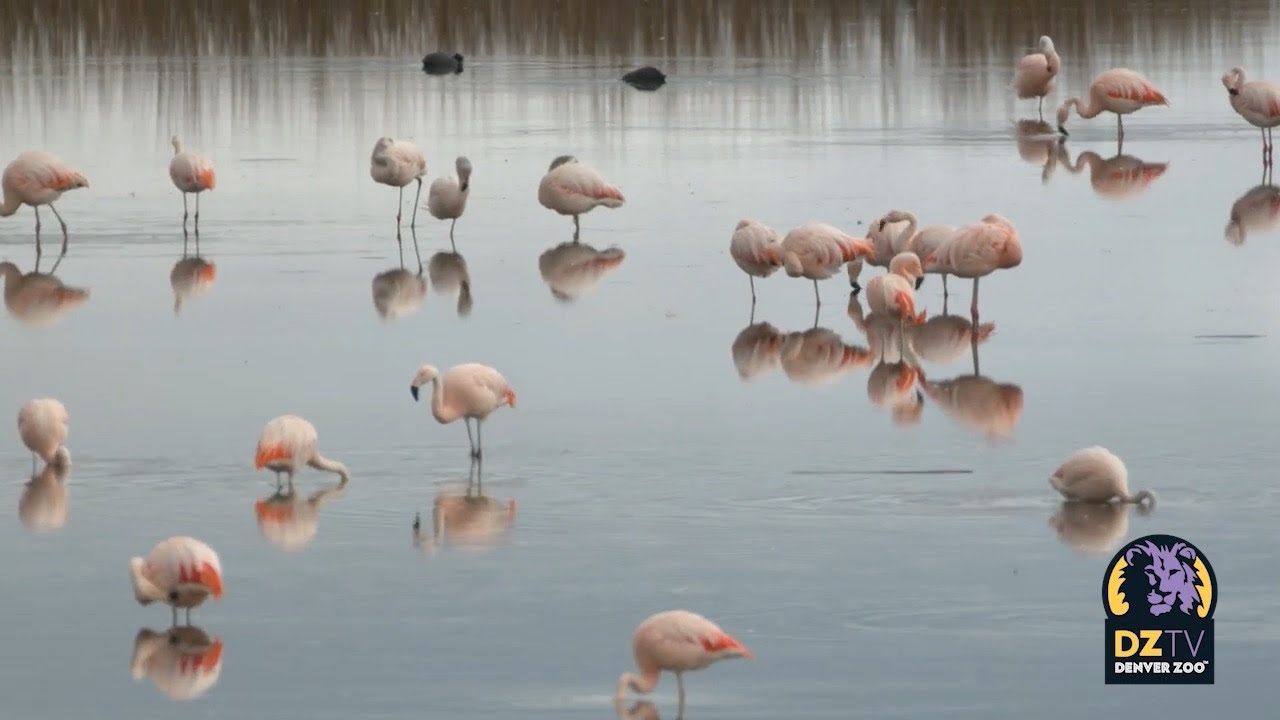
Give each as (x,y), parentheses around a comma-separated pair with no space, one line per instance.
(756,242)
(1129,85)
(1262,97)
(578,179)
(35,169)
(184,561)
(287,437)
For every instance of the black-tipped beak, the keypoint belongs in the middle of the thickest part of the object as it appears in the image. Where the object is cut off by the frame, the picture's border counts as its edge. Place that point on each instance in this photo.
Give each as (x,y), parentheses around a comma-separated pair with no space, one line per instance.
(417,521)
(919,282)
(919,398)
(1233,91)
(413,390)
(1063,131)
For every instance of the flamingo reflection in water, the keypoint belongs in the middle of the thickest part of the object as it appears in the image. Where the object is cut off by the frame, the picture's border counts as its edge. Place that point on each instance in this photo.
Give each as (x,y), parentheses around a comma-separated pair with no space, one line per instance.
(1119,177)
(756,349)
(43,504)
(449,274)
(182,662)
(892,383)
(289,521)
(641,710)
(819,357)
(1093,528)
(192,276)
(572,269)
(38,300)
(399,292)
(976,401)
(1037,144)
(1256,211)
(467,520)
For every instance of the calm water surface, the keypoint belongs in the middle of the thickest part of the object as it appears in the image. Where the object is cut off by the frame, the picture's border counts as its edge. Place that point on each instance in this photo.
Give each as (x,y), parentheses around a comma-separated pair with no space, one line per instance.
(641,471)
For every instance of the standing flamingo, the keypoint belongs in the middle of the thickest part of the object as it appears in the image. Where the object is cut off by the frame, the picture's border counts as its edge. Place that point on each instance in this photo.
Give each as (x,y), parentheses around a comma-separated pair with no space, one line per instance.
(37,178)
(570,187)
(676,641)
(1096,475)
(1257,101)
(398,163)
(447,196)
(1036,73)
(926,242)
(180,571)
(893,293)
(888,237)
(754,247)
(816,250)
(977,250)
(191,173)
(1120,91)
(466,391)
(921,242)
(42,425)
(288,442)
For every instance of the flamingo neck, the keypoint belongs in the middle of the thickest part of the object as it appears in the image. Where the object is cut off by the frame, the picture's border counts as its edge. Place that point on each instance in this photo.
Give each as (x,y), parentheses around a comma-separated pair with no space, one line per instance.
(1144,497)
(10,206)
(639,683)
(1087,111)
(1089,158)
(905,236)
(321,462)
(1055,62)
(143,589)
(441,413)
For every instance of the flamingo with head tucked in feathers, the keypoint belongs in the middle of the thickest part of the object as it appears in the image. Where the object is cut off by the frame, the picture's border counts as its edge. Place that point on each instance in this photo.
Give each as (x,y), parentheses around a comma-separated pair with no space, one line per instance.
(287,443)
(181,571)
(1257,101)
(977,250)
(1036,73)
(571,187)
(398,163)
(754,247)
(191,173)
(447,196)
(817,250)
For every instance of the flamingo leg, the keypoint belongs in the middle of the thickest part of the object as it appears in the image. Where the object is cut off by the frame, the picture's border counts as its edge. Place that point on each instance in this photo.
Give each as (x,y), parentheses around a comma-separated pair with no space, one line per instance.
(414,220)
(1120,124)
(973,306)
(189,609)
(470,440)
(184,211)
(479,441)
(973,348)
(576,228)
(197,211)
(753,292)
(451,225)
(414,233)
(33,207)
(174,608)
(902,338)
(944,288)
(1040,109)
(680,687)
(197,233)
(816,298)
(399,210)
(64,227)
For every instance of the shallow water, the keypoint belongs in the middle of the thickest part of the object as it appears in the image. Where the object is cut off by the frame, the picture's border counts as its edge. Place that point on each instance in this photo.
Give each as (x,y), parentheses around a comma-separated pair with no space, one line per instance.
(875,568)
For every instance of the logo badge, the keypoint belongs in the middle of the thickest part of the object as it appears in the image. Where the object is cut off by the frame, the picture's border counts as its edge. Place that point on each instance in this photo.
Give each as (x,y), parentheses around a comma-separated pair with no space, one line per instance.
(1159,593)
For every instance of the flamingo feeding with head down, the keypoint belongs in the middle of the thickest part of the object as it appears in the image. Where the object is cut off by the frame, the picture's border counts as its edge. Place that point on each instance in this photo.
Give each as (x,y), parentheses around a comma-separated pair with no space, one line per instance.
(1257,101)
(37,178)
(893,293)
(468,391)
(42,425)
(816,250)
(286,443)
(398,163)
(1120,91)
(447,196)
(570,187)
(180,571)
(977,250)
(1096,475)
(676,641)
(1036,73)
(191,173)
(754,247)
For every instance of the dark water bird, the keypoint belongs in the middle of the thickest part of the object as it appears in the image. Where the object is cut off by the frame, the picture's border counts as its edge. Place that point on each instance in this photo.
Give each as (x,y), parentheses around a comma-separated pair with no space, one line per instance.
(438,63)
(646,78)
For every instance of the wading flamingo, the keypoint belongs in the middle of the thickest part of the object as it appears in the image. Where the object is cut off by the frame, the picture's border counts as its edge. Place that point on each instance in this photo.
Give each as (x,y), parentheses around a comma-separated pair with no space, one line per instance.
(398,163)
(893,293)
(180,571)
(182,662)
(1096,475)
(286,443)
(977,250)
(754,247)
(817,250)
(888,237)
(191,173)
(570,187)
(42,424)
(466,391)
(676,641)
(1036,73)
(447,196)
(1119,91)
(909,239)
(37,178)
(1257,101)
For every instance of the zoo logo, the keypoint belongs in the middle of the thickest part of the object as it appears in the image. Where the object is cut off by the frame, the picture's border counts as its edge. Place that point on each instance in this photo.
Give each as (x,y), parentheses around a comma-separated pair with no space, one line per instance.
(1159,593)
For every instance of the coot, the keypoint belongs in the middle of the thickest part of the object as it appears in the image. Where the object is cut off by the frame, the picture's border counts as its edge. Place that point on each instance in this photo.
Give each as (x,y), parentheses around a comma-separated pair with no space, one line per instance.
(646,78)
(438,63)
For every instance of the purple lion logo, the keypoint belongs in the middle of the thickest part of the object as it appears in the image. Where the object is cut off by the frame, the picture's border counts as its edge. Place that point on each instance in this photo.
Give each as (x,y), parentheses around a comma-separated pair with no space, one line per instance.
(1169,573)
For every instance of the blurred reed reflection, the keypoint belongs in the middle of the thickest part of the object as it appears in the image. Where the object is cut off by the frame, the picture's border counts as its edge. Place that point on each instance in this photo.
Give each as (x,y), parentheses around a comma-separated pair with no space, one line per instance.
(36,299)
(448,272)
(976,401)
(468,520)
(289,521)
(191,277)
(1256,211)
(1094,528)
(1120,177)
(42,507)
(571,269)
(183,662)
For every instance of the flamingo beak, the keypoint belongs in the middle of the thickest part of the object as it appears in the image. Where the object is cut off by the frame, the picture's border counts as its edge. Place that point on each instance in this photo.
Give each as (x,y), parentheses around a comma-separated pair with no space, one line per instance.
(919,282)
(1063,131)
(413,390)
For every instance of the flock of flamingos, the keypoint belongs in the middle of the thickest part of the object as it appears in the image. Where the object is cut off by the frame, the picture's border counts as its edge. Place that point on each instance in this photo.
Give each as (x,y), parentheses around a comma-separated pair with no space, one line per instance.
(183,572)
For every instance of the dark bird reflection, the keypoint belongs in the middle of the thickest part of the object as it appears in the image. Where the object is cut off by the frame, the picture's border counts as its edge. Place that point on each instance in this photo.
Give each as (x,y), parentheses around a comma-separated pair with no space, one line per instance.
(977,402)
(1094,528)
(464,518)
(1120,177)
(399,292)
(1038,144)
(1256,211)
(642,710)
(183,662)
(36,299)
(289,521)
(192,276)
(571,269)
(757,350)
(449,274)
(42,506)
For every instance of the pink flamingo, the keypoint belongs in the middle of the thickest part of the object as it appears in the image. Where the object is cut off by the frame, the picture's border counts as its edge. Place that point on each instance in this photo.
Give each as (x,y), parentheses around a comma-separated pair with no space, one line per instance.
(183,662)
(180,571)
(468,391)
(1096,475)
(1257,101)
(570,187)
(977,250)
(288,442)
(37,178)
(191,173)
(754,247)
(889,237)
(816,250)
(1036,73)
(398,163)
(676,641)
(1120,91)
(42,425)
(893,293)
(447,196)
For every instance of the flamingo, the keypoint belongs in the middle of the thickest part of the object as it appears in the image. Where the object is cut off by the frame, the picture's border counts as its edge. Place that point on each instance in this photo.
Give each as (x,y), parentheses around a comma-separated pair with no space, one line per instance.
(447,196)
(289,441)
(977,250)
(570,187)
(398,163)
(1096,475)
(1120,91)
(468,391)
(1037,72)
(894,293)
(448,272)
(191,173)
(181,571)
(888,237)
(38,299)
(816,250)
(37,178)
(754,247)
(43,505)
(572,268)
(182,662)
(676,641)
(1258,102)
(42,425)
